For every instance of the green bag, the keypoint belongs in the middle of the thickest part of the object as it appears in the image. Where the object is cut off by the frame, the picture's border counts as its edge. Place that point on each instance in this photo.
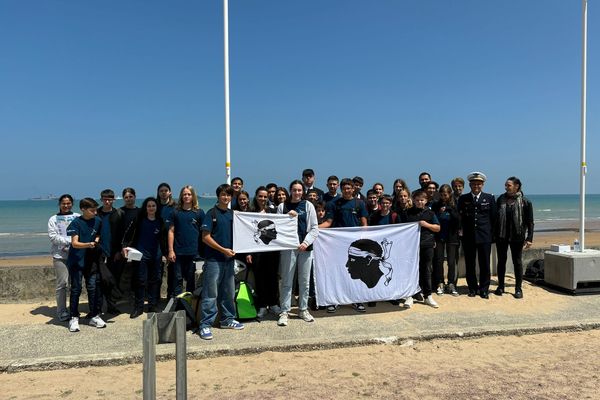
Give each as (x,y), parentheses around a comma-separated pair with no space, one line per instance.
(244,300)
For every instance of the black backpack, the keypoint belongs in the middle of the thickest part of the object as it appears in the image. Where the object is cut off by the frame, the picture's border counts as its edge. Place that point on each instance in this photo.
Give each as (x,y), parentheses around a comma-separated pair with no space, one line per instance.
(535,270)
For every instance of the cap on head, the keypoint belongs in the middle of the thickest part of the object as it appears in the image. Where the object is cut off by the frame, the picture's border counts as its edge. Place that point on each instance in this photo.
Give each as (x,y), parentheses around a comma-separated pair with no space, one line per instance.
(308,172)
(476,176)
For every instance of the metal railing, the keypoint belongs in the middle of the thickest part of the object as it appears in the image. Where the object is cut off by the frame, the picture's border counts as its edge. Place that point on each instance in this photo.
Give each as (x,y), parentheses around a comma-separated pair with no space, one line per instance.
(159,328)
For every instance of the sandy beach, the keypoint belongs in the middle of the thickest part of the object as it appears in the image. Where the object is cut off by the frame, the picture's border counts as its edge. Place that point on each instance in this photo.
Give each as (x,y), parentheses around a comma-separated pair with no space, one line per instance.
(542,366)
(553,365)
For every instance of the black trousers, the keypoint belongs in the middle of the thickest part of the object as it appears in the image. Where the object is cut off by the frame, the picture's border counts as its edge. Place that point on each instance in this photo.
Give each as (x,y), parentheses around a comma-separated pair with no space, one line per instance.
(425,268)
(265,267)
(450,251)
(110,272)
(481,252)
(516,251)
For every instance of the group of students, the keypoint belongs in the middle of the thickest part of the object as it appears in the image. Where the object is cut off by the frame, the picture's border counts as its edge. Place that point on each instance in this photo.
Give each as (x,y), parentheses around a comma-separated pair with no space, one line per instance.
(172,235)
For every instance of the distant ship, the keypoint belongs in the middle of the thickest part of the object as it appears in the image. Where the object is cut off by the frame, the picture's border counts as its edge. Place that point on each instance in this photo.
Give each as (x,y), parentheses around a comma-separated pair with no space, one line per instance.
(208,196)
(48,197)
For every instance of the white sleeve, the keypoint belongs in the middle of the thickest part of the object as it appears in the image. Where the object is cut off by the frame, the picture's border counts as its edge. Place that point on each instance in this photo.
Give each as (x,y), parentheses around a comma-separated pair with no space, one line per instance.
(312,226)
(54,234)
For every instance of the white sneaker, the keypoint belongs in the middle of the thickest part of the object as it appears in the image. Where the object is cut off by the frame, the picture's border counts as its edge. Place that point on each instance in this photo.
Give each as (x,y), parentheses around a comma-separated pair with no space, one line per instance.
(74,324)
(262,312)
(283,319)
(275,309)
(408,303)
(305,315)
(431,302)
(97,322)
(440,290)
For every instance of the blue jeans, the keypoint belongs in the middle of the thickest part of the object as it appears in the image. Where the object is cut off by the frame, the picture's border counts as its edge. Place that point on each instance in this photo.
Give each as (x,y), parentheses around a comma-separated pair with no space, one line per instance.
(92,284)
(218,287)
(287,267)
(148,278)
(184,267)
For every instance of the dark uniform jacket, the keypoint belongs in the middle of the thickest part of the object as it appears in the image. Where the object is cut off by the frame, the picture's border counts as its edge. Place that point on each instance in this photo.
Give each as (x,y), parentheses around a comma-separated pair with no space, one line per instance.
(477,218)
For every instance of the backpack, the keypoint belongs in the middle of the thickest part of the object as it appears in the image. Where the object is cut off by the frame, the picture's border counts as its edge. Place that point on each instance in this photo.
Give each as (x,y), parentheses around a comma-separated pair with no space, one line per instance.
(190,303)
(535,270)
(244,299)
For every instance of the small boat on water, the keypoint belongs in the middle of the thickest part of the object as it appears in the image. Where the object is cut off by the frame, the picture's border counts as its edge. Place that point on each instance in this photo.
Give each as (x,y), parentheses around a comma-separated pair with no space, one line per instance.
(48,197)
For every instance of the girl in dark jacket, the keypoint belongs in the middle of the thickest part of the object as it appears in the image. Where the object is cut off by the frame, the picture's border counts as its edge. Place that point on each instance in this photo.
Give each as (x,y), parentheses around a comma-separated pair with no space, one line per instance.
(514,229)
(265,266)
(446,242)
(148,235)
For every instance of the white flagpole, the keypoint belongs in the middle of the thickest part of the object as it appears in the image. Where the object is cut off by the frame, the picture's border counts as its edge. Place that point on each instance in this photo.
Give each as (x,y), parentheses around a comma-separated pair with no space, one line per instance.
(583,129)
(226,69)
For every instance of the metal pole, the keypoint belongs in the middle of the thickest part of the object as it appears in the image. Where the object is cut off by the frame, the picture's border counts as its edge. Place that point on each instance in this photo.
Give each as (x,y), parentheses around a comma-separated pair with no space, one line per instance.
(180,356)
(149,362)
(226,69)
(583,128)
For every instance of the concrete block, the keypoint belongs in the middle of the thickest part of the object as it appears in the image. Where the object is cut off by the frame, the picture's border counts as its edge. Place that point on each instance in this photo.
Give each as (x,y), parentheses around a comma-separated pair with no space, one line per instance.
(577,272)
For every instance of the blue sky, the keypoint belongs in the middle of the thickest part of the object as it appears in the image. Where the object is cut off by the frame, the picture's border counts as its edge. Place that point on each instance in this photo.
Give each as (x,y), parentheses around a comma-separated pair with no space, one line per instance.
(130,93)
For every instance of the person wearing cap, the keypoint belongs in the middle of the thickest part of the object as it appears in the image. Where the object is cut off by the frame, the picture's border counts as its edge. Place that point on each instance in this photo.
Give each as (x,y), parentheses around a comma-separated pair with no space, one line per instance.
(478,212)
(308,179)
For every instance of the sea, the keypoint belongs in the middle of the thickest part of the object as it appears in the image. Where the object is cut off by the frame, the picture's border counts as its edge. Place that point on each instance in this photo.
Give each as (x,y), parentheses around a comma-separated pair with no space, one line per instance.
(24,223)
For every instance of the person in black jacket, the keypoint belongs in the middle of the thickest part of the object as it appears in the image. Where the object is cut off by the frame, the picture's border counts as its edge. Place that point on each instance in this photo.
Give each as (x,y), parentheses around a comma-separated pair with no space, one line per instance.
(477,212)
(308,180)
(148,235)
(514,229)
(446,241)
(111,243)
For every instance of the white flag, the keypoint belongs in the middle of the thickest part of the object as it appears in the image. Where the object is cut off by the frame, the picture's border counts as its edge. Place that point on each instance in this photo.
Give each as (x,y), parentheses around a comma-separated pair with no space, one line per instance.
(362,264)
(258,232)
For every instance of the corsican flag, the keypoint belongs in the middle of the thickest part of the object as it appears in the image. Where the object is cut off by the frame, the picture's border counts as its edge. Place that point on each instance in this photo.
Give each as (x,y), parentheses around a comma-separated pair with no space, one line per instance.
(258,232)
(362,264)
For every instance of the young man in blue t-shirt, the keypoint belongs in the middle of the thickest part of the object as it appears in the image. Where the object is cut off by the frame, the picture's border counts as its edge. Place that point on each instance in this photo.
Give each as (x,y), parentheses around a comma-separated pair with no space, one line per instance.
(218,284)
(346,211)
(83,263)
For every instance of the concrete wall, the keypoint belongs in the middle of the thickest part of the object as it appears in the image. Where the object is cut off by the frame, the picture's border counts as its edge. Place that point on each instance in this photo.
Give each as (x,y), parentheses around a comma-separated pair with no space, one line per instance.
(26,283)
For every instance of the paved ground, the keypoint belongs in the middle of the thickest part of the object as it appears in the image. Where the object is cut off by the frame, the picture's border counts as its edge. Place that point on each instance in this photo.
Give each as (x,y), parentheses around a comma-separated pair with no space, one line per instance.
(37,341)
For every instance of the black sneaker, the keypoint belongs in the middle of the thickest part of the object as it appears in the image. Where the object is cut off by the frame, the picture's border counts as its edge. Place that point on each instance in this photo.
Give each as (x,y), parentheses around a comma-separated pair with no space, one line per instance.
(113,311)
(136,313)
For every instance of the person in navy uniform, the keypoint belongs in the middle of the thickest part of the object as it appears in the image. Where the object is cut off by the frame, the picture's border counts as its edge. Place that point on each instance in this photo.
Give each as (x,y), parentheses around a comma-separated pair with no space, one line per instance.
(478,212)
